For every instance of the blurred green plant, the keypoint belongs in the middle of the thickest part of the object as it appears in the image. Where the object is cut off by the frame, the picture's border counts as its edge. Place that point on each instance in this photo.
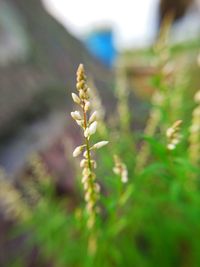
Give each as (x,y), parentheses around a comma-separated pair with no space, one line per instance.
(149,203)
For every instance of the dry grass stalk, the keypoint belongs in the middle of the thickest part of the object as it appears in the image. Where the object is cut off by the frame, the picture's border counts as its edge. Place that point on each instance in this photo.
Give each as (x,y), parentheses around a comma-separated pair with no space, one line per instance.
(150,129)
(120,169)
(11,201)
(194,137)
(173,135)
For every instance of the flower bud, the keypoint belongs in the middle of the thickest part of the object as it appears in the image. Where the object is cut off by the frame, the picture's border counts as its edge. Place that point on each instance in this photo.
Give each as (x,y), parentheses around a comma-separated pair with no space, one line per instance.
(86,171)
(93,117)
(80,123)
(94,164)
(86,185)
(82,94)
(78,150)
(99,144)
(87,105)
(124,177)
(87,196)
(84,179)
(83,163)
(76,115)
(85,154)
(171,146)
(92,128)
(90,206)
(76,99)
(80,85)
(86,133)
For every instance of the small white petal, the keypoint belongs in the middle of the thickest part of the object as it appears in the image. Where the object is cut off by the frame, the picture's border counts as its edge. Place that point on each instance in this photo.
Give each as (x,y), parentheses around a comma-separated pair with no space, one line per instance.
(175,141)
(87,133)
(76,115)
(76,99)
(87,106)
(124,177)
(86,171)
(84,179)
(93,117)
(94,164)
(93,128)
(78,150)
(100,144)
(171,146)
(80,123)
(85,154)
(83,163)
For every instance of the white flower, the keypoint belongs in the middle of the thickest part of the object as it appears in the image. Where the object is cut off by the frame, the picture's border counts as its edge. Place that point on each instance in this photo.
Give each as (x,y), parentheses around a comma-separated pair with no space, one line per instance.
(85,154)
(76,99)
(76,115)
(83,163)
(86,185)
(87,105)
(78,150)
(99,144)
(94,164)
(175,141)
(86,132)
(80,123)
(84,179)
(93,117)
(90,130)
(171,146)
(86,172)
(93,128)
(124,177)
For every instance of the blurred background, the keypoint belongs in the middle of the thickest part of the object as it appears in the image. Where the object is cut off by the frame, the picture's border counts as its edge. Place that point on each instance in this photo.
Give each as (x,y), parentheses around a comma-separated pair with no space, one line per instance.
(41,45)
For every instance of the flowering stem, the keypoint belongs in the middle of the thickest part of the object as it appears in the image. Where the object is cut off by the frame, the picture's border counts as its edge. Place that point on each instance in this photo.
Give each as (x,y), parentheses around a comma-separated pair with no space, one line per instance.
(86,139)
(89,125)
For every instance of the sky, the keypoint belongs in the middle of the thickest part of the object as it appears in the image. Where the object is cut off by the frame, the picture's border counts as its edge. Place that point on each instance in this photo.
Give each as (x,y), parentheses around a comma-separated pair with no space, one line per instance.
(133,21)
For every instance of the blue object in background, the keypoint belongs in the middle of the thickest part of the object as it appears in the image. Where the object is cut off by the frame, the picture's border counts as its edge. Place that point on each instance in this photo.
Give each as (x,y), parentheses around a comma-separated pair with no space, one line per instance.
(100,44)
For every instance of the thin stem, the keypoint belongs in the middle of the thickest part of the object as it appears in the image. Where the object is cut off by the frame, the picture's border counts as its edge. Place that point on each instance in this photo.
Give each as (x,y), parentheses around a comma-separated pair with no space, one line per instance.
(86,139)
